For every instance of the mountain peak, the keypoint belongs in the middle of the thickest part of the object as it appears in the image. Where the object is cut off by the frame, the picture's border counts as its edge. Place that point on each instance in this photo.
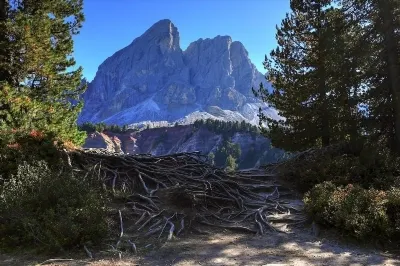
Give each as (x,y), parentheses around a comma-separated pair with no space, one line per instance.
(163,23)
(162,27)
(153,79)
(165,33)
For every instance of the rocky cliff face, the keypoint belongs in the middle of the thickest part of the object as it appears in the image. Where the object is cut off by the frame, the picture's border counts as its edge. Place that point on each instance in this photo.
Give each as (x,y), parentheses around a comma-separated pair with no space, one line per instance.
(153,79)
(255,149)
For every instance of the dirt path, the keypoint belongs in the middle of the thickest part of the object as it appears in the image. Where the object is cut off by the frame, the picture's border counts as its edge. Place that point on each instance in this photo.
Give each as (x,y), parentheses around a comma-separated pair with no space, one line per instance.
(274,249)
(298,247)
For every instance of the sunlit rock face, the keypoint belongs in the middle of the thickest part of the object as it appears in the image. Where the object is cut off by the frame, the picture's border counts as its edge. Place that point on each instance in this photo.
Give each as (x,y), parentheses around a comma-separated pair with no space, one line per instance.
(152,79)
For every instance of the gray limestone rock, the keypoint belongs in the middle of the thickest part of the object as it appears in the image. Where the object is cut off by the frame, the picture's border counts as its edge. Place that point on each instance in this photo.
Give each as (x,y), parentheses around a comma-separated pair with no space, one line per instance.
(153,79)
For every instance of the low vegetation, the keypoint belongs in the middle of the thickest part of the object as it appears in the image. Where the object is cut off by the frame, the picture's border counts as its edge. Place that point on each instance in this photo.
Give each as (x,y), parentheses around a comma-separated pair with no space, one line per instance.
(226,128)
(363,213)
(227,155)
(354,188)
(370,166)
(44,203)
(101,127)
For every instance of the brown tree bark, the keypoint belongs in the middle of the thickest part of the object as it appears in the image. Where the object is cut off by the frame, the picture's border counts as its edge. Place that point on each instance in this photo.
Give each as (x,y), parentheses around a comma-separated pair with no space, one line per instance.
(393,63)
(324,112)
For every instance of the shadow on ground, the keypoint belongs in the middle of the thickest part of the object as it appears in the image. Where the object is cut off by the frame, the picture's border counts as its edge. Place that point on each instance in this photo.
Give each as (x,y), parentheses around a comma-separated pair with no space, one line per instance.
(297,248)
(219,247)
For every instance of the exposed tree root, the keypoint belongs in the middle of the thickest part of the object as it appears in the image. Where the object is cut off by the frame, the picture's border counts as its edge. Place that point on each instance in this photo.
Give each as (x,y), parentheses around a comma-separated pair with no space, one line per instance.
(51,261)
(168,195)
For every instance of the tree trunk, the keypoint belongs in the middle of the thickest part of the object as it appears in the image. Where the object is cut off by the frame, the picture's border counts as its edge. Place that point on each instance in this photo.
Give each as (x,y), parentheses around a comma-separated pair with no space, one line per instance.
(392,60)
(3,5)
(323,115)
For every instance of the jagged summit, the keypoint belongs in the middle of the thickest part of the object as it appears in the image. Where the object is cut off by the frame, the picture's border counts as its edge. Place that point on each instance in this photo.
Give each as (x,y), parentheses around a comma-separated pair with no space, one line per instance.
(163,33)
(162,26)
(162,23)
(153,79)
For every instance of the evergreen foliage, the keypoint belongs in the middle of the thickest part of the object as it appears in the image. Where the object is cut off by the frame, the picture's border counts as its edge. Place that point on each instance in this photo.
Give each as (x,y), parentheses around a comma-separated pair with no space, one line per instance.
(379,56)
(230,164)
(227,128)
(44,204)
(227,155)
(336,74)
(306,71)
(336,81)
(211,158)
(49,209)
(39,86)
(370,166)
(101,127)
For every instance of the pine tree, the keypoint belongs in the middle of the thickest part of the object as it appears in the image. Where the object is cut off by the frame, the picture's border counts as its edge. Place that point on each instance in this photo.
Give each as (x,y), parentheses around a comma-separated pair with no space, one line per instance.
(226,149)
(303,70)
(5,51)
(230,164)
(211,158)
(380,23)
(39,87)
(345,71)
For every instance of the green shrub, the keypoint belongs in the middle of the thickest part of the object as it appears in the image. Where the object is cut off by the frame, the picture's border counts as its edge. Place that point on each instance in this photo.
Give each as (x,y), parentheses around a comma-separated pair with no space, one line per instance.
(50,210)
(358,211)
(317,202)
(393,210)
(44,203)
(20,146)
(371,167)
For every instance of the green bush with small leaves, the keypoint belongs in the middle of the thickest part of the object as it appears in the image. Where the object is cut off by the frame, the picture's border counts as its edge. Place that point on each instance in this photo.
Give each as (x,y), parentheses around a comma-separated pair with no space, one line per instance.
(44,203)
(50,210)
(360,212)
(371,167)
(393,210)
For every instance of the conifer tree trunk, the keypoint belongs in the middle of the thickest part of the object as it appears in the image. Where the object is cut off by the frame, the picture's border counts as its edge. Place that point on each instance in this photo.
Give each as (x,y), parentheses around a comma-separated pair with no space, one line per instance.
(325,134)
(392,57)
(2,9)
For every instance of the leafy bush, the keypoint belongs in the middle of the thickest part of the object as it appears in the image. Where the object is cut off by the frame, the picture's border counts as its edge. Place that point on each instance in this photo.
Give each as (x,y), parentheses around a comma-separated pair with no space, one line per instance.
(393,210)
(370,167)
(20,146)
(358,211)
(50,210)
(44,203)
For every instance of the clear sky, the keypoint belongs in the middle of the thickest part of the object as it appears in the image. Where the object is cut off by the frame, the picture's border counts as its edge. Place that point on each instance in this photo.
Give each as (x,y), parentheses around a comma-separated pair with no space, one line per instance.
(113,24)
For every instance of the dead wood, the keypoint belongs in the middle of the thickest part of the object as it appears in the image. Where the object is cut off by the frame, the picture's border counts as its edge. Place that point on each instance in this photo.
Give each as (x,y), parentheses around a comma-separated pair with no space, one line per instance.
(170,195)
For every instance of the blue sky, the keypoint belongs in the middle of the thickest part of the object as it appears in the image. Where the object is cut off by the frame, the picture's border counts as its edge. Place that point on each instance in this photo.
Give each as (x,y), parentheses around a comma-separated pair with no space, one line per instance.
(113,24)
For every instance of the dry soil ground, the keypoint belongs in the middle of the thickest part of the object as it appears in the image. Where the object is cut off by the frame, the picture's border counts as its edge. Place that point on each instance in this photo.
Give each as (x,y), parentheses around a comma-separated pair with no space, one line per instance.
(297,247)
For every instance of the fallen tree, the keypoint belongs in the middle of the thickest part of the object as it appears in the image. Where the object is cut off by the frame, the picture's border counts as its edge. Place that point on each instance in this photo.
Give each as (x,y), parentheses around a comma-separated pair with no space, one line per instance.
(168,195)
